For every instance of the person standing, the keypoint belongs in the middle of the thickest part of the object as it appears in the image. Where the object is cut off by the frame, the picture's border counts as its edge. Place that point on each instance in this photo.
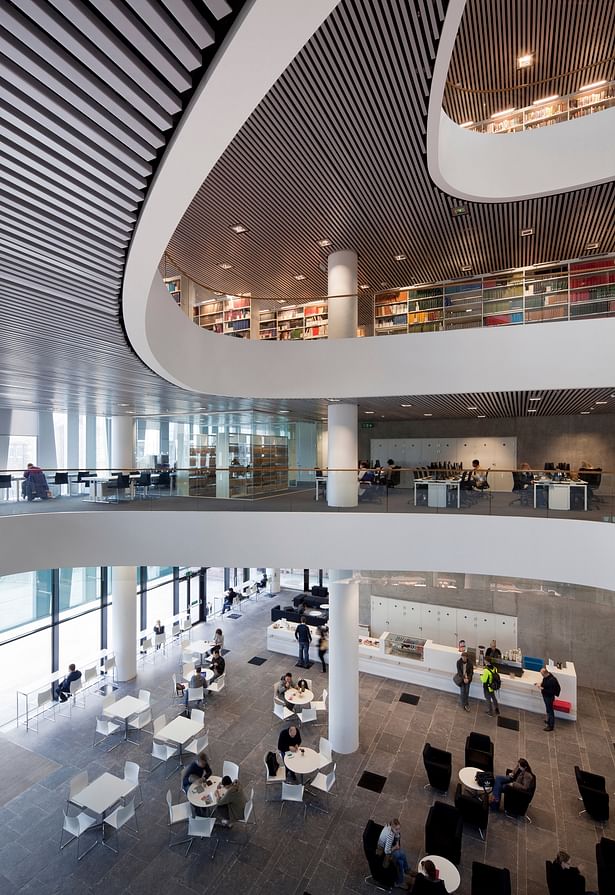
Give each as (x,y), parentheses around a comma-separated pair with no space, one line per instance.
(323,646)
(465,670)
(550,691)
(488,679)
(304,638)
(493,651)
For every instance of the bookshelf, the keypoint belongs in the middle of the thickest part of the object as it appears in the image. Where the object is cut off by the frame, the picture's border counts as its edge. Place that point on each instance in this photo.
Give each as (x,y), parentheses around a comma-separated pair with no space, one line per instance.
(173,285)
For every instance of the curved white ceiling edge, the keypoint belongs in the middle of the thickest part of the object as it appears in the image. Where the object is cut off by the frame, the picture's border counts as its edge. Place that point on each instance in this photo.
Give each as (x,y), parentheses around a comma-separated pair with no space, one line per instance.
(511,167)
(404,542)
(574,354)
(266,37)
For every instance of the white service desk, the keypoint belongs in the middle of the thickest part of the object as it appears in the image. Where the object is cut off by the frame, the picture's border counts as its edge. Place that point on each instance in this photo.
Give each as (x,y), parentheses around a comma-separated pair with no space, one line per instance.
(558,493)
(438,490)
(436,670)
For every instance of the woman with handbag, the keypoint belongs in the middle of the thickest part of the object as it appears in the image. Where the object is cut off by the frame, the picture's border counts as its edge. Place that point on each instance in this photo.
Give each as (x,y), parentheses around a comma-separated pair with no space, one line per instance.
(463,679)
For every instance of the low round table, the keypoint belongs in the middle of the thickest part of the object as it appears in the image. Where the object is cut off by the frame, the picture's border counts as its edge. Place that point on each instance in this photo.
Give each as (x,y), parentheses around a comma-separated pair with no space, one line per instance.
(302,763)
(467,778)
(448,872)
(294,697)
(324,605)
(199,794)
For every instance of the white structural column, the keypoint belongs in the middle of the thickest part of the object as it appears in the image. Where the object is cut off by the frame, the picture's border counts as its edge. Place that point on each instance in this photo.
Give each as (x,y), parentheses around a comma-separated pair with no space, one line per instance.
(273,581)
(343,661)
(124,621)
(342,459)
(342,281)
(222,465)
(122,443)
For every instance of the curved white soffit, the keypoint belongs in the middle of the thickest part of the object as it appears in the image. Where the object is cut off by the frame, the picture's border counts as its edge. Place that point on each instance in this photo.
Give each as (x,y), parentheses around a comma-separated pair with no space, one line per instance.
(510,167)
(263,41)
(396,542)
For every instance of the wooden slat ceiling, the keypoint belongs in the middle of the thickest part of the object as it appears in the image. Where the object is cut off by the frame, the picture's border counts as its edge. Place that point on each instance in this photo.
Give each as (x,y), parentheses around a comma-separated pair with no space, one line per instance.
(90,95)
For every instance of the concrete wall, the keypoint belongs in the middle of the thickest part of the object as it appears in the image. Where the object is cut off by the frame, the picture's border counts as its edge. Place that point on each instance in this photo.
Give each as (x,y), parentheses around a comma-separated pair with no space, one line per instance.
(569,439)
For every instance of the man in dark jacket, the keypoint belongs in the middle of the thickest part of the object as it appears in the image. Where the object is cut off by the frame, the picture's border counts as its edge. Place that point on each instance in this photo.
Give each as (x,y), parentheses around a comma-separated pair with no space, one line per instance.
(550,690)
(63,689)
(302,634)
(465,670)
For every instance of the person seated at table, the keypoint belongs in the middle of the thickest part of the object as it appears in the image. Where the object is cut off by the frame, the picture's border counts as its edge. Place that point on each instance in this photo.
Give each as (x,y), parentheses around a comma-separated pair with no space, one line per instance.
(289,740)
(428,880)
(390,841)
(302,684)
(229,598)
(231,801)
(262,584)
(219,638)
(526,476)
(63,689)
(521,778)
(218,665)
(197,770)
(286,683)
(366,479)
(197,680)
(35,483)
(479,476)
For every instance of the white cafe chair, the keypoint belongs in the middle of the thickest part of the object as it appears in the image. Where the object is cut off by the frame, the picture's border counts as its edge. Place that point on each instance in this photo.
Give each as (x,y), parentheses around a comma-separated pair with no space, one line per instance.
(324,783)
(118,819)
(198,744)
(292,792)
(76,826)
(230,769)
(177,814)
(131,774)
(105,728)
(278,777)
(325,753)
(202,828)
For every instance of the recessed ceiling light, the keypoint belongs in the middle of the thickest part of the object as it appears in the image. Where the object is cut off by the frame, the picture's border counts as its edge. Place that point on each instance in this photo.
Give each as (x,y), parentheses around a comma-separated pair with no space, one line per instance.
(534,399)
(532,411)
(466,267)
(364,286)
(334,400)
(405,405)
(472,408)
(428,414)
(481,416)
(525,60)
(584,412)
(592,245)
(469,310)
(323,243)
(119,405)
(503,113)
(226,266)
(400,257)
(239,228)
(298,276)
(602,402)
(458,210)
(592,86)
(527,231)
(546,99)
(369,411)
(467,124)
(218,293)
(284,411)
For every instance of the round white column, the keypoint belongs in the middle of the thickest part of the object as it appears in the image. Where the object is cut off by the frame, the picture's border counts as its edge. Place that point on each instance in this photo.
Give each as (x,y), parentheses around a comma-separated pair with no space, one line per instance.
(122,443)
(343,661)
(342,281)
(273,581)
(342,456)
(124,621)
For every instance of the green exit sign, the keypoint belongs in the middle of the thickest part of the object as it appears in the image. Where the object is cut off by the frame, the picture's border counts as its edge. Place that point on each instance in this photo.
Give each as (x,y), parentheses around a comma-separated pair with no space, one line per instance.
(367,425)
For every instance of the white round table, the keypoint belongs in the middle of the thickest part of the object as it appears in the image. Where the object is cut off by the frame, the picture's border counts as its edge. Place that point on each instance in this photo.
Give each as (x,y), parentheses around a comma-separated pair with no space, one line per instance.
(202,796)
(324,605)
(448,872)
(467,778)
(303,762)
(201,647)
(294,697)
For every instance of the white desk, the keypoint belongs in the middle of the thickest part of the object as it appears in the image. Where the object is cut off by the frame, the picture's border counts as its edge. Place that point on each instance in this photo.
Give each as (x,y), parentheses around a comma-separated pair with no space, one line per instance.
(558,493)
(180,731)
(467,778)
(294,697)
(201,647)
(103,793)
(124,709)
(321,480)
(449,874)
(96,488)
(202,796)
(303,762)
(437,491)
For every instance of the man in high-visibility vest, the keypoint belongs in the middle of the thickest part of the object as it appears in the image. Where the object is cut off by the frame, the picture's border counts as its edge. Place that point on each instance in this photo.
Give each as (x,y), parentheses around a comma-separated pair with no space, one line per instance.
(488,689)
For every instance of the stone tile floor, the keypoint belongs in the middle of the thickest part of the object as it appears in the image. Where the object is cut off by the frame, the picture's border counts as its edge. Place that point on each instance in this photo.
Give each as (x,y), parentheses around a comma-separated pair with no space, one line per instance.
(321,855)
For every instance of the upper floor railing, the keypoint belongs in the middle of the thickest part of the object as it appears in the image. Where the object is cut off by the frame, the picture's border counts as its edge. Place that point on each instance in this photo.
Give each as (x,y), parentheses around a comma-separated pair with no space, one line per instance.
(438,488)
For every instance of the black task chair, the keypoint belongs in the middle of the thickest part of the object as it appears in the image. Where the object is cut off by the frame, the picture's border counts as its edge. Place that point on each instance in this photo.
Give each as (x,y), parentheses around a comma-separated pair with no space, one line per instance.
(439,767)
(564,880)
(474,809)
(592,790)
(605,862)
(61,478)
(488,879)
(521,487)
(479,752)
(6,485)
(593,478)
(119,484)
(143,485)
(382,877)
(517,801)
(443,832)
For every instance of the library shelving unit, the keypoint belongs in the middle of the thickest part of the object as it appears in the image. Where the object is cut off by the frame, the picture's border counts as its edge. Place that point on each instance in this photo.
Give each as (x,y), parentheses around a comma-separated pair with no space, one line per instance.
(209,315)
(567,290)
(173,284)
(316,320)
(267,325)
(202,475)
(237,317)
(269,464)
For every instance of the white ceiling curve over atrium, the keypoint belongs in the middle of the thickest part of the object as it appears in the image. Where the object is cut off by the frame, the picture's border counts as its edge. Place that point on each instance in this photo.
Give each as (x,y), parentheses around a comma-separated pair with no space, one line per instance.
(568,156)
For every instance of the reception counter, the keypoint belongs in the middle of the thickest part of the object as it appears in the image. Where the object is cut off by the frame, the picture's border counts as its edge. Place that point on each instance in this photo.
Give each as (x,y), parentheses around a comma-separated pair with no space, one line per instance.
(430,664)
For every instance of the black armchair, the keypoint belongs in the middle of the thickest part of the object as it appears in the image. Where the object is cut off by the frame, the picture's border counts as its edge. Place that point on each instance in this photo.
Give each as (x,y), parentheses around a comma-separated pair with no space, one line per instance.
(439,767)
(479,752)
(474,809)
(564,880)
(443,832)
(494,880)
(517,801)
(592,789)
(605,860)
(383,876)
(423,886)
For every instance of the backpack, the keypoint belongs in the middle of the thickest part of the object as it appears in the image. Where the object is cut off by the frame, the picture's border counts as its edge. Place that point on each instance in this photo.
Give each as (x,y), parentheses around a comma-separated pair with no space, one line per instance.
(496,681)
(272,764)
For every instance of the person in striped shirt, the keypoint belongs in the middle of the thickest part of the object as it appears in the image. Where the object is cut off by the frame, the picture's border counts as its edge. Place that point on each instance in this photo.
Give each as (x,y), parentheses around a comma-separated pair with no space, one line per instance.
(390,842)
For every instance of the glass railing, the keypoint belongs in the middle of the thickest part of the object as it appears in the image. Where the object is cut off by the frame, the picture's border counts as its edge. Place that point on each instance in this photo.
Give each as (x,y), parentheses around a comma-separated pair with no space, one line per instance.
(576,494)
